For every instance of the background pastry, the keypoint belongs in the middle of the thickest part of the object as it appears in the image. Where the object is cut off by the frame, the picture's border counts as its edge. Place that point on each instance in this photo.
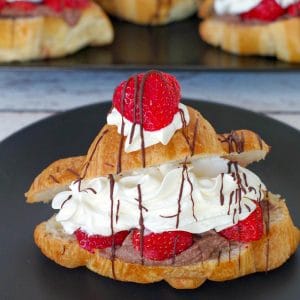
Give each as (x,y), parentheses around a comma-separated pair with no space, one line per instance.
(150,12)
(51,28)
(253,27)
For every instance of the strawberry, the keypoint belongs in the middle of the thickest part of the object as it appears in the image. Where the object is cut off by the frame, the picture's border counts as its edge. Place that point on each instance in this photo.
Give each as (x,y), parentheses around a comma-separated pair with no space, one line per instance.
(267,10)
(161,96)
(161,246)
(22,5)
(294,10)
(248,230)
(56,5)
(2,4)
(92,242)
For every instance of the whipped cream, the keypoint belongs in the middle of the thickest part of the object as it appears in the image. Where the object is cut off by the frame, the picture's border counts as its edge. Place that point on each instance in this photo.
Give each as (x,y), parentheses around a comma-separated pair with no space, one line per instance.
(204,182)
(234,7)
(163,135)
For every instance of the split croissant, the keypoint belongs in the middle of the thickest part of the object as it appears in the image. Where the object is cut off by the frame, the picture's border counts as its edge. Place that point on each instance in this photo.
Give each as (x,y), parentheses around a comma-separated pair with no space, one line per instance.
(50,36)
(280,38)
(198,139)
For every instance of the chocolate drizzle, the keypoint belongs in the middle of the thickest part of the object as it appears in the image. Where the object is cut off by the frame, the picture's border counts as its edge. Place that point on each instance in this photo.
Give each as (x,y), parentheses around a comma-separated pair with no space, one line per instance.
(113,246)
(185,133)
(194,137)
(221,190)
(180,196)
(141,223)
(117,213)
(87,164)
(69,197)
(236,142)
(191,193)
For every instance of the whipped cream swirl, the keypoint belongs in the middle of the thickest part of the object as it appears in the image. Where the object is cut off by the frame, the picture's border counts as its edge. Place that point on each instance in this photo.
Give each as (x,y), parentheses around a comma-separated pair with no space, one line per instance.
(162,135)
(198,197)
(234,7)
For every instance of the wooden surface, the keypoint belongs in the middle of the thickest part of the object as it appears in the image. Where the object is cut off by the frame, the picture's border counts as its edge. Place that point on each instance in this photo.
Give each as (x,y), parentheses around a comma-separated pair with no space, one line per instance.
(27,96)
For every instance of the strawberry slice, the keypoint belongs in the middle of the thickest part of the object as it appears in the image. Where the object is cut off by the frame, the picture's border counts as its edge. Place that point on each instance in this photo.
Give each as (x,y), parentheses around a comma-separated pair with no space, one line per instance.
(161,246)
(59,5)
(294,10)
(161,96)
(267,10)
(248,230)
(92,242)
(56,5)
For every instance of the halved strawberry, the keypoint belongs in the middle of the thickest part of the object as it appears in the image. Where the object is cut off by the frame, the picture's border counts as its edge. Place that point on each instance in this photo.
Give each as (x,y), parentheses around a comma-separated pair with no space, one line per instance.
(160,99)
(161,246)
(294,10)
(92,242)
(248,230)
(56,5)
(77,4)
(266,10)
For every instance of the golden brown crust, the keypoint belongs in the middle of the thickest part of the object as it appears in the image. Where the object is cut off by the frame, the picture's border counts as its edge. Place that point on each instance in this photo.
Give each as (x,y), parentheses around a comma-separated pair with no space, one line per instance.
(45,187)
(282,241)
(280,38)
(205,8)
(43,37)
(150,12)
(54,178)
(197,139)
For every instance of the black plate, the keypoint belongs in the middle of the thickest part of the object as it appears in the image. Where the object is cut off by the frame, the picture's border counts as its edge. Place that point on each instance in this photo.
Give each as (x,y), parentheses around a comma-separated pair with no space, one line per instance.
(26,274)
(175,46)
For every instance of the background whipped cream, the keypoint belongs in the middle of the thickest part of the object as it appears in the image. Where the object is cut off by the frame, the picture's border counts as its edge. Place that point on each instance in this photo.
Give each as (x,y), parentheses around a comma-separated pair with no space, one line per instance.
(150,137)
(233,7)
(160,187)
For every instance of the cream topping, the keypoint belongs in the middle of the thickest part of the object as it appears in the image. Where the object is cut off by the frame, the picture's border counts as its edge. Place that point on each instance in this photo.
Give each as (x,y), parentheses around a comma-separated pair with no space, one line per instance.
(163,135)
(234,7)
(205,184)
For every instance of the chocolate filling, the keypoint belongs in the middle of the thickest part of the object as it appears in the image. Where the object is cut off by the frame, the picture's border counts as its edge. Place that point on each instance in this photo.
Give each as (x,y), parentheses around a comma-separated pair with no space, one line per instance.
(206,246)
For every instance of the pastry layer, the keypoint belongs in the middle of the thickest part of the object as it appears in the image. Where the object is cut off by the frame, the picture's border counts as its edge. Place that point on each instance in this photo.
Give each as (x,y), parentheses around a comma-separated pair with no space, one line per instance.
(276,246)
(50,36)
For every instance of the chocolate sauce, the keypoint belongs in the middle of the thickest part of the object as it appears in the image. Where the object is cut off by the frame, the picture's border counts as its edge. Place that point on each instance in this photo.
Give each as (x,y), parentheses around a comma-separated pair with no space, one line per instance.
(69,197)
(117,213)
(219,256)
(221,190)
(184,131)
(180,196)
(90,189)
(119,164)
(191,193)
(230,202)
(141,223)
(245,179)
(87,164)
(236,142)
(135,78)
(113,246)
(54,179)
(73,172)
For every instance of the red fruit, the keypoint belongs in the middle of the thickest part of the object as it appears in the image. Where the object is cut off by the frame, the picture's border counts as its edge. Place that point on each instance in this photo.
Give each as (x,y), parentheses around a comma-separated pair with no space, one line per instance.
(92,242)
(248,230)
(2,4)
(294,10)
(160,99)
(161,246)
(56,5)
(22,5)
(267,10)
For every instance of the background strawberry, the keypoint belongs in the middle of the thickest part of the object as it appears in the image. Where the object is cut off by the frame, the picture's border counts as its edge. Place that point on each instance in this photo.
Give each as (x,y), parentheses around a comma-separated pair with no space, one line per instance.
(267,10)
(160,99)
(294,10)
(22,5)
(248,230)
(99,241)
(160,246)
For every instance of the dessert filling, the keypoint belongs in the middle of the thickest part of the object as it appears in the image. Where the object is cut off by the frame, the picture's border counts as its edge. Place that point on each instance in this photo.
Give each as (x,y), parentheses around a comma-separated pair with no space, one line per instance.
(69,10)
(256,11)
